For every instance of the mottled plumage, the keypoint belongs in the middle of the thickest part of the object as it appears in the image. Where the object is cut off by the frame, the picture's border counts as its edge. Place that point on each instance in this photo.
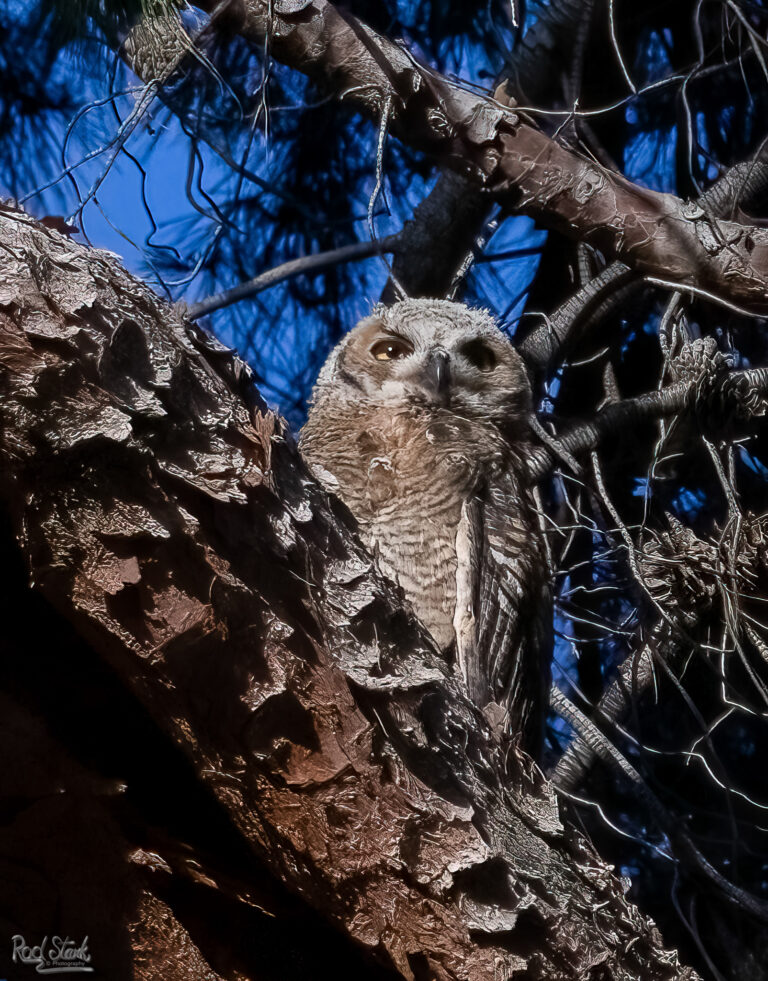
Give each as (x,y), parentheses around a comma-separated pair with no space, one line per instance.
(418,423)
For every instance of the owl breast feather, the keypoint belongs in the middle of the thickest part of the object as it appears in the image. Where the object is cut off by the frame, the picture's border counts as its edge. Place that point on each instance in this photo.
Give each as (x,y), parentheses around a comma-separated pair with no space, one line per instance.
(405,476)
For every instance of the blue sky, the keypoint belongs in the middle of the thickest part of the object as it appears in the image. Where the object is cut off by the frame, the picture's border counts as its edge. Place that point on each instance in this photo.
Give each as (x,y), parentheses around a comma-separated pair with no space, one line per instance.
(116,218)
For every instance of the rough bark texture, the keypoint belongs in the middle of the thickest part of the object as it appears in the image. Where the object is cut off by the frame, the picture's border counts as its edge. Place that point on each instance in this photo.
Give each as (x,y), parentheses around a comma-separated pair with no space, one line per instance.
(742,187)
(166,514)
(445,226)
(107,832)
(655,234)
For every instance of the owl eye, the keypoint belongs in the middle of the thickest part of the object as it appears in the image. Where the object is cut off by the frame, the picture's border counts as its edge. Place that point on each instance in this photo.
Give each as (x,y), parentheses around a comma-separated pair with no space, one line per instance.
(480,355)
(391,349)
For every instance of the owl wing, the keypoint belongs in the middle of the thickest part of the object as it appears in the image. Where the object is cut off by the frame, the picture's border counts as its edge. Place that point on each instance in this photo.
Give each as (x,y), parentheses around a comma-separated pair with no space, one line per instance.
(503,621)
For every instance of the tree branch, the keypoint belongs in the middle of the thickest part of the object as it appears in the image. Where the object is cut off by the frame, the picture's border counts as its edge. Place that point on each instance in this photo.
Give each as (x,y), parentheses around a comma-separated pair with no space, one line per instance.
(303,266)
(656,234)
(743,186)
(738,389)
(603,748)
(447,223)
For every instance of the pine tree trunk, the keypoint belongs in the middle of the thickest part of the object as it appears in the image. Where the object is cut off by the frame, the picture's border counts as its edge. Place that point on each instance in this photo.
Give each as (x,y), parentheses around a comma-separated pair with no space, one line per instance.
(164,512)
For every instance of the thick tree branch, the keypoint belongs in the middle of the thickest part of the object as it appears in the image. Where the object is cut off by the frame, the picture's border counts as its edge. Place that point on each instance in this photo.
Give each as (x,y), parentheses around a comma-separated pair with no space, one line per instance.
(166,514)
(442,232)
(743,186)
(656,234)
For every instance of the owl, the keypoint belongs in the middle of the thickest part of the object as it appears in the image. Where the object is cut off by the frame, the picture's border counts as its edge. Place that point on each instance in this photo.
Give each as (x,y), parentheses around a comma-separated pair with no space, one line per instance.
(418,422)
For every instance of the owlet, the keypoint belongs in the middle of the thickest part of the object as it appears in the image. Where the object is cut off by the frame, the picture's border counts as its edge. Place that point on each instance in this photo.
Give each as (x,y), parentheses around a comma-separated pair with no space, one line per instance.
(418,423)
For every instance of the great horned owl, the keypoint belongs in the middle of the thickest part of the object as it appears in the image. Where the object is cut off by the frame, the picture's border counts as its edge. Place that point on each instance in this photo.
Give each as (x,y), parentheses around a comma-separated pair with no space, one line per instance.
(418,423)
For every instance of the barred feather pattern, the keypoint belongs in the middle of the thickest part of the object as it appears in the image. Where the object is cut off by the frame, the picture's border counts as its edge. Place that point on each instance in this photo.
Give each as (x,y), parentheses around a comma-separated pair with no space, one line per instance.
(435,488)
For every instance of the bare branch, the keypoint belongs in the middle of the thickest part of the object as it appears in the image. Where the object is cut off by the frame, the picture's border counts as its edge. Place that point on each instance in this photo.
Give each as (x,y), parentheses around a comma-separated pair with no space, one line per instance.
(304,266)
(603,748)
(739,388)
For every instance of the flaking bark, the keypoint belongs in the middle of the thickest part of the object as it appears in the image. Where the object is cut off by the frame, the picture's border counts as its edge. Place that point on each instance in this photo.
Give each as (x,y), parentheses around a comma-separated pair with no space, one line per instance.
(657,235)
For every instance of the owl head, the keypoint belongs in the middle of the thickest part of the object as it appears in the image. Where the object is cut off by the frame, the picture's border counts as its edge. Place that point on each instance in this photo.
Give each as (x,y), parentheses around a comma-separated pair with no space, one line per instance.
(431,355)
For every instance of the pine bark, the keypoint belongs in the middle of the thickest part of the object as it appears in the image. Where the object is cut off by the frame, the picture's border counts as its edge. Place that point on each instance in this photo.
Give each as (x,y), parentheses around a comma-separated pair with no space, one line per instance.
(502,150)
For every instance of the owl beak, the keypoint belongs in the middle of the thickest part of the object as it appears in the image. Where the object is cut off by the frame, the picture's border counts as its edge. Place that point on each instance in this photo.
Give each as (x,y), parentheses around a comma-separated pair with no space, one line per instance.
(437,373)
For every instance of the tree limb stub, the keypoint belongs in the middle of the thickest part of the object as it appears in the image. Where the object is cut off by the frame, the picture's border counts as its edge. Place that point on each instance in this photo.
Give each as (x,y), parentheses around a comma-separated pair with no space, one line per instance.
(657,235)
(166,513)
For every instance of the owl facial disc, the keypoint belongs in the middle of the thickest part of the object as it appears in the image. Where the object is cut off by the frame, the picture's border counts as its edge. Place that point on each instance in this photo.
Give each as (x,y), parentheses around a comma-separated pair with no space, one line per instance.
(430,355)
